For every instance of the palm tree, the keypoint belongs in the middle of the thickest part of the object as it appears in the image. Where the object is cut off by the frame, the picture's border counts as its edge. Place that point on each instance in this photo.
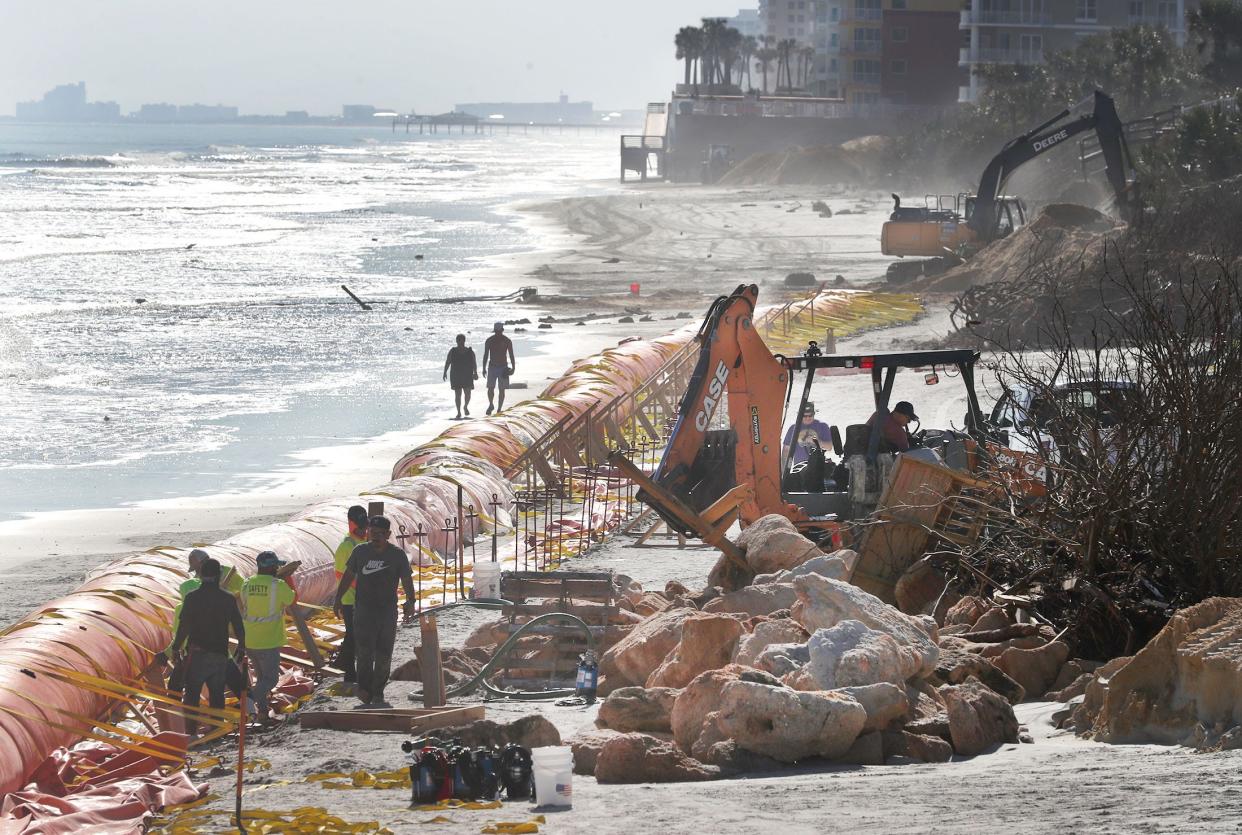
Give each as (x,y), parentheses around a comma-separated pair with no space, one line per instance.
(766,54)
(689,43)
(713,29)
(808,55)
(750,46)
(730,52)
(785,48)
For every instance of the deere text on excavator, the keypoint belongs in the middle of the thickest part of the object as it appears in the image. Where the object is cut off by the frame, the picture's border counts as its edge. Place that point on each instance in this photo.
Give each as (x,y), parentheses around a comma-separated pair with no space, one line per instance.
(956,225)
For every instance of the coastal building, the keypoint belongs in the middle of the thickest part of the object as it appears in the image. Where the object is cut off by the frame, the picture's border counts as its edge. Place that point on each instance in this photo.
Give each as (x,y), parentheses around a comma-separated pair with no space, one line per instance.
(1024,31)
(206,113)
(748,22)
(918,50)
(67,103)
(784,19)
(562,110)
(919,55)
(156,113)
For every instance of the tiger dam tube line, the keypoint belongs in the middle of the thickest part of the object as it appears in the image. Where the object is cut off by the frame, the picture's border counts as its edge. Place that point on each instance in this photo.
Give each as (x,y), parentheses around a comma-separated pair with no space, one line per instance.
(64,667)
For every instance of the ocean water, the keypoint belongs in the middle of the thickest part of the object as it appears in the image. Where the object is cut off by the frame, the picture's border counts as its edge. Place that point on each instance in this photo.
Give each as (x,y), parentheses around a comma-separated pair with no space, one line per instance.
(236,239)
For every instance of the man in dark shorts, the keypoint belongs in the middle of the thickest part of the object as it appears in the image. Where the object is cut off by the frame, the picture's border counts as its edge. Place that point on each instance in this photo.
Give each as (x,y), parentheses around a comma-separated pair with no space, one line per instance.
(499,361)
(206,616)
(378,566)
(461,365)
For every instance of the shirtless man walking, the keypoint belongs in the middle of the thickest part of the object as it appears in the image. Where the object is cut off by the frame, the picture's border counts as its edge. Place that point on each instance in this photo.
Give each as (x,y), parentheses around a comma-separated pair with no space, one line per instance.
(499,361)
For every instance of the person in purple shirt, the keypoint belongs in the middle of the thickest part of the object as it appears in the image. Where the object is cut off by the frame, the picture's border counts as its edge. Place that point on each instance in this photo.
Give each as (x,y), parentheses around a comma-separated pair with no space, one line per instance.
(806,429)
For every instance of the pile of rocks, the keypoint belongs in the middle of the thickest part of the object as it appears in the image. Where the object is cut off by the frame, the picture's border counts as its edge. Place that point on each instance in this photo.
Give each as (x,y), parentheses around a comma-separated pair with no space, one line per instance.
(797,663)
(800,664)
(1184,687)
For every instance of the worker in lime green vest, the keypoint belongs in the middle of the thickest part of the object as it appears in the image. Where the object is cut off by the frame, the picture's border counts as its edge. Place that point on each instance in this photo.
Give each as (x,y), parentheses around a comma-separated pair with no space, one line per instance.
(357,520)
(265,597)
(230,581)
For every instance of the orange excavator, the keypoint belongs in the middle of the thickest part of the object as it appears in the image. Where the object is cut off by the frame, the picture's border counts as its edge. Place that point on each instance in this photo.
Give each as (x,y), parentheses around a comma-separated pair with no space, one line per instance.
(955,225)
(721,465)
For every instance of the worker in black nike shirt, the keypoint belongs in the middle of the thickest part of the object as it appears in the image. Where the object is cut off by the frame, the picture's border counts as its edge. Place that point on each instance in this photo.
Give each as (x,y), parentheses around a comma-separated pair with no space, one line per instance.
(377,566)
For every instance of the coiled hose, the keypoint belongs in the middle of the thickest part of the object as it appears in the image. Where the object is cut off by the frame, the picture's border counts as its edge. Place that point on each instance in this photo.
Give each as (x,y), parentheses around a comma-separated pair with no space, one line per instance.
(479,680)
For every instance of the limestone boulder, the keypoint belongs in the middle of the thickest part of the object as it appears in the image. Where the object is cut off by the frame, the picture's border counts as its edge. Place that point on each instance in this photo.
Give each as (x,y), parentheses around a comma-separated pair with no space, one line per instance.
(834,566)
(978,718)
(773,544)
(955,666)
(635,657)
(586,746)
(707,643)
(641,758)
(993,618)
(675,589)
(1190,674)
(780,631)
(1035,669)
(788,725)
(782,659)
(823,603)
(868,749)
(917,747)
(644,709)
(851,654)
(701,697)
(885,704)
(755,600)
(650,603)
(966,611)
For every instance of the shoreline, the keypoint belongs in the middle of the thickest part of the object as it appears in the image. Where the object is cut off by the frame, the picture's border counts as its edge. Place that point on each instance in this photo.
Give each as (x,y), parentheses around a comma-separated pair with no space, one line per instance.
(577,239)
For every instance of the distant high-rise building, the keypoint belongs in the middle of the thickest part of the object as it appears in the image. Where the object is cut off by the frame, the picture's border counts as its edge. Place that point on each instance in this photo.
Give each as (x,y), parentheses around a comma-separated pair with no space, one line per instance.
(748,22)
(67,103)
(156,113)
(206,113)
(784,19)
(1008,32)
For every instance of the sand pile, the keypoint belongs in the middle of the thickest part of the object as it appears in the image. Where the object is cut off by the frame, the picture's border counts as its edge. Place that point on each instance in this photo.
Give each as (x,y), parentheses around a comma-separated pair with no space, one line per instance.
(1062,232)
(852,163)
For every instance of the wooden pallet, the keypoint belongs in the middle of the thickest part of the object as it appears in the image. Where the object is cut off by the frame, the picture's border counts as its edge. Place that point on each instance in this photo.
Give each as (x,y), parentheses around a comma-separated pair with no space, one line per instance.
(589,595)
(922,504)
(393,720)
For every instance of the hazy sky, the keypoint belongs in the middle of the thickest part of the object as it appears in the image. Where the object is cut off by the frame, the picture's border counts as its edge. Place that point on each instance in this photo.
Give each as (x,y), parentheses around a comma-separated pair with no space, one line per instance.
(268,56)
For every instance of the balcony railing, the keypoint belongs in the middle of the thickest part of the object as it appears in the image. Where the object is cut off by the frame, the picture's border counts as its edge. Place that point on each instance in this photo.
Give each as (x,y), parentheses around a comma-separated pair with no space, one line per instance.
(984,17)
(862,47)
(852,13)
(872,78)
(999,56)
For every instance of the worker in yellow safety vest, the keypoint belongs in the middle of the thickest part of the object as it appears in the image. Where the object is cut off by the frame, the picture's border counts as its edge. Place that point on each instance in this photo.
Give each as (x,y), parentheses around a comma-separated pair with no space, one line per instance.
(265,598)
(357,520)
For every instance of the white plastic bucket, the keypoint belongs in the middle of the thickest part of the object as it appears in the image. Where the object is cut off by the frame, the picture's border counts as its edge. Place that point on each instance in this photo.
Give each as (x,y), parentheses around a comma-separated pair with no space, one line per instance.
(553,768)
(486,581)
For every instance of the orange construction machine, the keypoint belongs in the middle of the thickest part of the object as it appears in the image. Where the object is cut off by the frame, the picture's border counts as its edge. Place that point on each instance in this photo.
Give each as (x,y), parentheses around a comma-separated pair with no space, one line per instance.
(727,446)
(955,224)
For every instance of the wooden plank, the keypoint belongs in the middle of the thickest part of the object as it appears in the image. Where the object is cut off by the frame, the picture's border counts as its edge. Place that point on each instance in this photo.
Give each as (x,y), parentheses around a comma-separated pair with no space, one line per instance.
(587,613)
(308,640)
(429,662)
(392,721)
(553,587)
(447,718)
